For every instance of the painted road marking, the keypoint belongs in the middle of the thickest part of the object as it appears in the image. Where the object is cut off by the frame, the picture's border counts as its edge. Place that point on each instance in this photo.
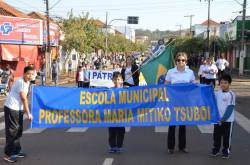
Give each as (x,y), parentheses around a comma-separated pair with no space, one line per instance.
(75,130)
(2,126)
(161,129)
(34,130)
(1,114)
(206,128)
(127,129)
(108,161)
(242,121)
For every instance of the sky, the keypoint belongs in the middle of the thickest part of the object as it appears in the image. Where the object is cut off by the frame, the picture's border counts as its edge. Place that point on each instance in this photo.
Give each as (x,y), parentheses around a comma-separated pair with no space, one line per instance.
(153,14)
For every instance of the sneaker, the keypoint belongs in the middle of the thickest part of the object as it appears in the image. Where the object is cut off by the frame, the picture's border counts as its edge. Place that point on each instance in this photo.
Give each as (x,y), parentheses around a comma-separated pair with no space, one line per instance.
(10,159)
(214,153)
(21,155)
(170,151)
(112,150)
(184,150)
(119,150)
(225,155)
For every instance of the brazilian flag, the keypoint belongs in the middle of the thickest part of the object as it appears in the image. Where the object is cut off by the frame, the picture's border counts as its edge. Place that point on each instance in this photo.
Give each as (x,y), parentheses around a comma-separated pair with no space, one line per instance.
(155,68)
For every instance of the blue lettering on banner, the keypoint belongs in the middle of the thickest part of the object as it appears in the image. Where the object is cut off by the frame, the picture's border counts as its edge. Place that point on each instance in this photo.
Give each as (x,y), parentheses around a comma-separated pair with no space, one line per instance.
(94,75)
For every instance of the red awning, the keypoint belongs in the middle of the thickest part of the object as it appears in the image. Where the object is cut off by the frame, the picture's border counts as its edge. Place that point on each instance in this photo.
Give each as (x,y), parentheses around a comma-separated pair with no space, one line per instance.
(26,53)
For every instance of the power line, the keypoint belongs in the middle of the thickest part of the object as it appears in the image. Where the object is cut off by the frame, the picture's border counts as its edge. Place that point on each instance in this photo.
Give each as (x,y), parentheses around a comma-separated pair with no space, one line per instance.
(54,5)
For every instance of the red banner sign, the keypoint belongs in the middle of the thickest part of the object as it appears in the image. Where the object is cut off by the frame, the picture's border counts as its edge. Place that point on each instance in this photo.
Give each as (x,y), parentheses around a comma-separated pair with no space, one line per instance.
(17,30)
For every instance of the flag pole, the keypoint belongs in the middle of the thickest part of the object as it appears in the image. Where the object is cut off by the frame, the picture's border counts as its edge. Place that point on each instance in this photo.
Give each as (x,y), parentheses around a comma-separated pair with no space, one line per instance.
(150,59)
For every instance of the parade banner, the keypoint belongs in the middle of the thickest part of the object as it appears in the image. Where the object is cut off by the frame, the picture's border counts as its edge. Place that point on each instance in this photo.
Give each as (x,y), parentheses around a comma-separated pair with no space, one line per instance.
(101,78)
(157,105)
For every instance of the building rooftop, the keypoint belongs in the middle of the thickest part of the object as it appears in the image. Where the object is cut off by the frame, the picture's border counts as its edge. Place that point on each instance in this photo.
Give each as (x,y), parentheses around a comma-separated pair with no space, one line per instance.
(8,10)
(211,22)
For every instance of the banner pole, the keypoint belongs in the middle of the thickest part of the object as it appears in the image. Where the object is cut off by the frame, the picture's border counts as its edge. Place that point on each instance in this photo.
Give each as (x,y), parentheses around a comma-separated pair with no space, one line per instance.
(148,61)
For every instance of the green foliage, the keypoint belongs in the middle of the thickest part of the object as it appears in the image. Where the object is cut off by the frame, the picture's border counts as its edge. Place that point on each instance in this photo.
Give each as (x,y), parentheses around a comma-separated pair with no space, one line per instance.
(81,34)
(197,45)
(189,45)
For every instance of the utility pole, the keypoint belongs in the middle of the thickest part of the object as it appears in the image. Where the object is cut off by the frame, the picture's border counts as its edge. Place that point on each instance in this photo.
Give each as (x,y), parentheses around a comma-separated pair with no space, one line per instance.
(242,48)
(208,27)
(191,17)
(106,36)
(180,28)
(48,56)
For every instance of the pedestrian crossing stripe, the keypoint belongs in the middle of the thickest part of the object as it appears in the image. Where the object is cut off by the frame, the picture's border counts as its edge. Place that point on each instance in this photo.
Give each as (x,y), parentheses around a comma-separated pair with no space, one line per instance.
(34,130)
(242,121)
(161,129)
(206,128)
(77,130)
(127,129)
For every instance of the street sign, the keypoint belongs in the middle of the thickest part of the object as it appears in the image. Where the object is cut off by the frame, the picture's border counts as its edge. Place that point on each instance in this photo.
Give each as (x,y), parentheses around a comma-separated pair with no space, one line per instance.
(132,20)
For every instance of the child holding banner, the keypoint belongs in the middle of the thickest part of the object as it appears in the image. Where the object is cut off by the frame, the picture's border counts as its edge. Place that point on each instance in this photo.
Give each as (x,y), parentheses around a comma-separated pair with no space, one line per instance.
(15,106)
(116,134)
(226,102)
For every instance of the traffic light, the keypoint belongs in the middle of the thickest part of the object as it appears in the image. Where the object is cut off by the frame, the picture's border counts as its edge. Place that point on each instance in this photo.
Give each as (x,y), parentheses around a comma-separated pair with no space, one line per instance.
(132,20)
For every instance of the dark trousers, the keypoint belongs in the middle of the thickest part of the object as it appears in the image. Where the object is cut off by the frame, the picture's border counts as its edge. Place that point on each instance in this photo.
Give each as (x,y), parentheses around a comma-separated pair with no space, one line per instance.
(210,81)
(222,132)
(182,137)
(13,131)
(116,136)
(85,85)
(202,80)
(220,73)
(82,84)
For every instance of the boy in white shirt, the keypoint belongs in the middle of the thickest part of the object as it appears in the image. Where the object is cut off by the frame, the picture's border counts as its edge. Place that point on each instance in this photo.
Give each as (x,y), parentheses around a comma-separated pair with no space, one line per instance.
(15,106)
(223,130)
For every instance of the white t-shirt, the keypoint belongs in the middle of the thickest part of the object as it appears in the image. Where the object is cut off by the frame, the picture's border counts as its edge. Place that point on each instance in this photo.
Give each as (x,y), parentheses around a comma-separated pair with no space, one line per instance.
(222,64)
(175,76)
(14,99)
(128,76)
(211,71)
(201,71)
(223,100)
(81,76)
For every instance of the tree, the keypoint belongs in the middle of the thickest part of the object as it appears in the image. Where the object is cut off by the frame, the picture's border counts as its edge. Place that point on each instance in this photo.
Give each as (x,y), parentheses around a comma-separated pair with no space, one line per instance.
(81,34)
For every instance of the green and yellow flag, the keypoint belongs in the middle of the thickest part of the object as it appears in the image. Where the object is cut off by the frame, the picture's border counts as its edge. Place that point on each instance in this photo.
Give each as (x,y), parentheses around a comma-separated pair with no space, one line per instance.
(154,69)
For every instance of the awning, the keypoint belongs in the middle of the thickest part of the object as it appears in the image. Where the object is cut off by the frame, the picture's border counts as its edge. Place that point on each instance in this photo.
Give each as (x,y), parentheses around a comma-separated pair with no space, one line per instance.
(26,53)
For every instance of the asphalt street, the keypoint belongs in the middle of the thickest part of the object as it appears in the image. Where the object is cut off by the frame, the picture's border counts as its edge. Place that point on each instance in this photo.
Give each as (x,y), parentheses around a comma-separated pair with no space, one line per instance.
(142,146)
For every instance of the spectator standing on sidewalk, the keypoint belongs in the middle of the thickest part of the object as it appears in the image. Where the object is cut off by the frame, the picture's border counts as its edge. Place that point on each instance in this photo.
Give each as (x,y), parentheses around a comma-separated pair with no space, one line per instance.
(55,70)
(69,67)
(43,72)
(15,106)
